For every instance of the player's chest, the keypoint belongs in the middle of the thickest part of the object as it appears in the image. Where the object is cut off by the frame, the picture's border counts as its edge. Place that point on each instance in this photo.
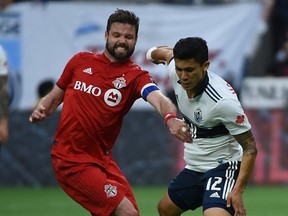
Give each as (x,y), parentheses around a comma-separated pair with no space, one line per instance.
(98,79)
(99,85)
(199,111)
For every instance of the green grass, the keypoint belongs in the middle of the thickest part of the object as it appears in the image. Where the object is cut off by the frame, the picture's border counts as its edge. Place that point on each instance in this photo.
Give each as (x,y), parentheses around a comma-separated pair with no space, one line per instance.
(259,201)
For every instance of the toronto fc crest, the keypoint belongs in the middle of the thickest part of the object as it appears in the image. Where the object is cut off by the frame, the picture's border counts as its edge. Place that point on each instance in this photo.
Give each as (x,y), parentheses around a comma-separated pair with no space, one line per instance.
(110,190)
(119,83)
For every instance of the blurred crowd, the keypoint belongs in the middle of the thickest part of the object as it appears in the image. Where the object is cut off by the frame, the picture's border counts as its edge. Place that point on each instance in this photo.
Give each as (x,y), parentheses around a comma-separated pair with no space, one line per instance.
(275,17)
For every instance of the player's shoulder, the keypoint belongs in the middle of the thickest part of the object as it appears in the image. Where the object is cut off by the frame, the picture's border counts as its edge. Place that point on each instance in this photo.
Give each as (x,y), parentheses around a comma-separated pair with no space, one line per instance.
(220,85)
(88,54)
(85,56)
(220,90)
(215,78)
(135,68)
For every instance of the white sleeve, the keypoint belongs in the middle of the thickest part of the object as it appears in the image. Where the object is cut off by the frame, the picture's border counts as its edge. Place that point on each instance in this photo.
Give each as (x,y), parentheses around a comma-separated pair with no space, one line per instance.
(3,62)
(233,116)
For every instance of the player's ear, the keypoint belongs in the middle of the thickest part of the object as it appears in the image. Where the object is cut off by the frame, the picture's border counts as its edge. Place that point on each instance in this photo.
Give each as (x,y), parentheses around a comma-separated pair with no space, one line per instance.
(106,35)
(206,65)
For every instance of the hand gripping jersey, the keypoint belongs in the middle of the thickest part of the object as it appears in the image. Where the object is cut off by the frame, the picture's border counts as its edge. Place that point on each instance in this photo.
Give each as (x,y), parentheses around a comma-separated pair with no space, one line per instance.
(214,115)
(98,94)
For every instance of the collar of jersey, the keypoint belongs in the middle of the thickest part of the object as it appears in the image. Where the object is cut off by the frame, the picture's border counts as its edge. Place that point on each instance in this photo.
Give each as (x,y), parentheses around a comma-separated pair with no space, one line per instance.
(203,85)
(117,63)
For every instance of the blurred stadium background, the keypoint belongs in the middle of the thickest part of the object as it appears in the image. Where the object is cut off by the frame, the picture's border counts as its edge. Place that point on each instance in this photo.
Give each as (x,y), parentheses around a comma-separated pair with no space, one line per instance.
(247,40)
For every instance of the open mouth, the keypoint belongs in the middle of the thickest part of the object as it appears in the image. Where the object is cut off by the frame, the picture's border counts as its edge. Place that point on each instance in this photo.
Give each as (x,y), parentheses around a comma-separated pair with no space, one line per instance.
(121,49)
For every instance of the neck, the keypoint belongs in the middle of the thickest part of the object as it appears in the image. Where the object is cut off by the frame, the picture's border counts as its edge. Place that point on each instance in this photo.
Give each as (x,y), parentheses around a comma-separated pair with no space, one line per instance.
(111,58)
(190,94)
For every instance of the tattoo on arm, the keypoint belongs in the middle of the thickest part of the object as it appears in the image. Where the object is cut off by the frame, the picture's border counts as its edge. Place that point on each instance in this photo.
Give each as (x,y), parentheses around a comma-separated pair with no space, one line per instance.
(4,96)
(247,141)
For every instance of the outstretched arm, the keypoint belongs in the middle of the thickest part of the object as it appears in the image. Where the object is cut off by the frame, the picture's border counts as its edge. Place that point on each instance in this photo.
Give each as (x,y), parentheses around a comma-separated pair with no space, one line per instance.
(47,105)
(160,54)
(247,141)
(167,109)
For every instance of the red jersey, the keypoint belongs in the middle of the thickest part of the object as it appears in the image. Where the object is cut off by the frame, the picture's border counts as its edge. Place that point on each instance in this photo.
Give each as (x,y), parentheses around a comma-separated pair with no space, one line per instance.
(98,94)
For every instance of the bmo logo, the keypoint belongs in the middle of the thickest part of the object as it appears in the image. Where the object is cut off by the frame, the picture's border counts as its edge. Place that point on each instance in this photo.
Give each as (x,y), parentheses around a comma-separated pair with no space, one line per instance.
(112,97)
(90,89)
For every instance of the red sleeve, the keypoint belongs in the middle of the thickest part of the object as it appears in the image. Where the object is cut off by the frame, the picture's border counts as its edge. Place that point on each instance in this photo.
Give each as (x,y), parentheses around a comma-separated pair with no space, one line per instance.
(65,78)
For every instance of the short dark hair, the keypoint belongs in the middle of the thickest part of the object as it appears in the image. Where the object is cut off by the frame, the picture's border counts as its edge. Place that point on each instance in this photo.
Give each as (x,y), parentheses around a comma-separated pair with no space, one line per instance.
(191,47)
(123,16)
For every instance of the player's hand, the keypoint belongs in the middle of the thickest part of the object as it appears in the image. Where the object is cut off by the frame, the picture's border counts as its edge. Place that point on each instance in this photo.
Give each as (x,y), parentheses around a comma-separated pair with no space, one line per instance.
(179,129)
(235,199)
(38,114)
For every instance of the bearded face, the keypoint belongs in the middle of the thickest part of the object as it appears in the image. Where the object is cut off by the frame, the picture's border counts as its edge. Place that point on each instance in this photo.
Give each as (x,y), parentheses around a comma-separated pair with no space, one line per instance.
(119,51)
(120,41)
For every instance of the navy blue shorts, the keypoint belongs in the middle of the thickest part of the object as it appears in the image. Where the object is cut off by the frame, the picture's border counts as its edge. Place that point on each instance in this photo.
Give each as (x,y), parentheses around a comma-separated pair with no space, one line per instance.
(190,189)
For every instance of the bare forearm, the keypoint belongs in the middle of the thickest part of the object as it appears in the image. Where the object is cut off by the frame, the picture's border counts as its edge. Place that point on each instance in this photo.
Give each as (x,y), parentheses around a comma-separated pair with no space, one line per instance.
(4,97)
(167,106)
(50,104)
(161,103)
(248,144)
(47,105)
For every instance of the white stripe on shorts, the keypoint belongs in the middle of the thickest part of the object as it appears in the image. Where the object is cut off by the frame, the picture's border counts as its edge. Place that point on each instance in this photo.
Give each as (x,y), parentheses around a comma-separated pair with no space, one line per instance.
(229,182)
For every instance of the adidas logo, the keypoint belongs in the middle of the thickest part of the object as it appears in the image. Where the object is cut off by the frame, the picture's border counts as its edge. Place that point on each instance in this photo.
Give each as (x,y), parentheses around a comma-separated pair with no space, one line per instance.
(215,195)
(88,70)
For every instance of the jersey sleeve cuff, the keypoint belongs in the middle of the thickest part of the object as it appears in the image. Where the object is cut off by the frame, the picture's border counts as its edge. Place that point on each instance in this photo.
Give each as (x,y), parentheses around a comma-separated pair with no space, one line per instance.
(147,89)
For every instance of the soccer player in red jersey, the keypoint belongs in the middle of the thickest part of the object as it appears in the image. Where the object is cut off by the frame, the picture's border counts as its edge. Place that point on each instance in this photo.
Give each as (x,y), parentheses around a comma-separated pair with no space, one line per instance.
(97,90)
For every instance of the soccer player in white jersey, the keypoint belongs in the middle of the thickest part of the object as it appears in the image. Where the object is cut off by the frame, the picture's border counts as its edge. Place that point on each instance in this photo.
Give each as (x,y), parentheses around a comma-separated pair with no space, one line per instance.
(4,97)
(221,157)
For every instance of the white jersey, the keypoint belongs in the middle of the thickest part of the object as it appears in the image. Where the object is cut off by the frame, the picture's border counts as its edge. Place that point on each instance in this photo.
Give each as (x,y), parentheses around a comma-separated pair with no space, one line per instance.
(214,115)
(3,62)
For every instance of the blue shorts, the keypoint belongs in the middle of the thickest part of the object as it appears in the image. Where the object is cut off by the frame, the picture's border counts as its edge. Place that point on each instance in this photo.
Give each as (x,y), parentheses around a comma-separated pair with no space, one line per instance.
(190,189)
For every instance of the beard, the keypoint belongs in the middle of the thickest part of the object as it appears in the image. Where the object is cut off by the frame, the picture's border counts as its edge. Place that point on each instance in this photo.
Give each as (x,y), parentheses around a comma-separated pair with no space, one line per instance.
(119,56)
